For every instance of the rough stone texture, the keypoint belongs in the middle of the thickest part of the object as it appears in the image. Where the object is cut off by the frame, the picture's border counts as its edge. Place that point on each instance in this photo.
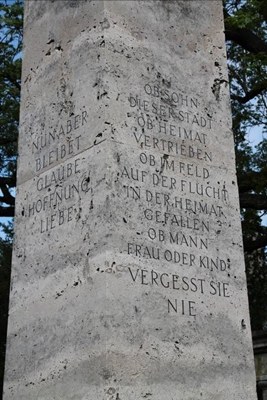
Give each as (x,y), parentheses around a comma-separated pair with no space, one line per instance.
(128,275)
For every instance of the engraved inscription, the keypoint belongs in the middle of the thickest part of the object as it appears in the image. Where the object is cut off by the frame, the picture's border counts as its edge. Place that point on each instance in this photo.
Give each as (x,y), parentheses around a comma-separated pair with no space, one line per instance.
(182,206)
(60,179)
(170,184)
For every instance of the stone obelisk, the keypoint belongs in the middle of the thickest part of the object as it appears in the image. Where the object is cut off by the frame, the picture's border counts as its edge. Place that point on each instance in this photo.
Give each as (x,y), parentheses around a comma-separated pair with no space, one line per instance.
(128,276)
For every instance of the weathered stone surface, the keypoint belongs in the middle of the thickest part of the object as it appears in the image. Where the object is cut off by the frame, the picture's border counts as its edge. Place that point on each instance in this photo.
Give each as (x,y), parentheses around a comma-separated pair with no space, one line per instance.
(128,276)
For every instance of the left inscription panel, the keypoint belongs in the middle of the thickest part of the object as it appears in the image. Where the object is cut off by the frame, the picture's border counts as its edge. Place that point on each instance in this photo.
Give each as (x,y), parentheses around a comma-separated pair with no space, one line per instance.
(63,163)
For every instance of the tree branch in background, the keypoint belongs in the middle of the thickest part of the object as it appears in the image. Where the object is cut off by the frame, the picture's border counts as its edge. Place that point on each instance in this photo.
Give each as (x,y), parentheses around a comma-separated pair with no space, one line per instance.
(7,211)
(245,38)
(4,141)
(11,182)
(256,91)
(252,245)
(253,201)
(252,180)
(13,81)
(7,198)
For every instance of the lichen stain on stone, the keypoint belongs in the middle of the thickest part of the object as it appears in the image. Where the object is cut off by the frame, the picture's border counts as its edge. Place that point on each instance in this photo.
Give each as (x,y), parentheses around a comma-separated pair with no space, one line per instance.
(64,94)
(216,87)
(243,324)
(166,5)
(105,24)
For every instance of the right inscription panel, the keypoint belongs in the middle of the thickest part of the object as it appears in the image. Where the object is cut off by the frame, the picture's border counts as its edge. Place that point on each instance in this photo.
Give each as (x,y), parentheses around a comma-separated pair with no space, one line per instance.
(182,202)
(178,267)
